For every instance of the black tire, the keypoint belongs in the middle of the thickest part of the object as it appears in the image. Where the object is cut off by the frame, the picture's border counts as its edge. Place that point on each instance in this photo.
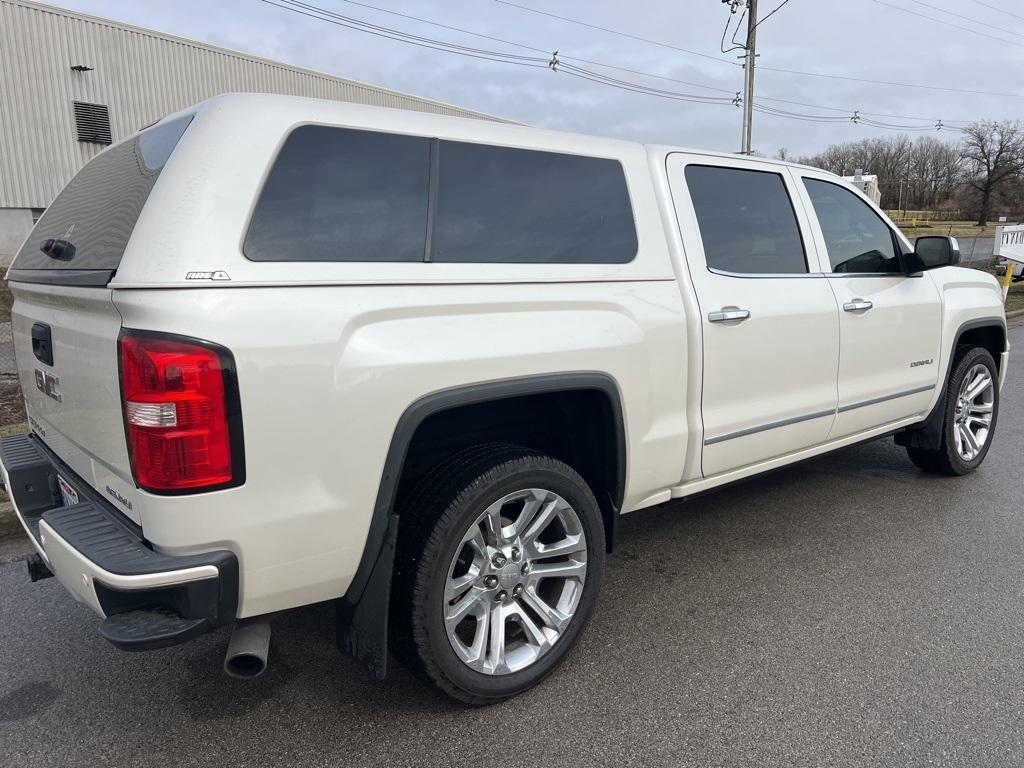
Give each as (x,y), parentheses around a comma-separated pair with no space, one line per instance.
(946,460)
(432,521)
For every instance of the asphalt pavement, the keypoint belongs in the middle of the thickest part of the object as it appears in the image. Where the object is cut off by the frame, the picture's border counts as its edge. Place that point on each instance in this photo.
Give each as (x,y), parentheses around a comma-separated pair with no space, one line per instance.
(849,611)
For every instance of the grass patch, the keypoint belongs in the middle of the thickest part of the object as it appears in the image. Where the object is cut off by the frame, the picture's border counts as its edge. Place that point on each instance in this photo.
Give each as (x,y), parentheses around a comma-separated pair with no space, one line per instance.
(954,228)
(1015,298)
(13,429)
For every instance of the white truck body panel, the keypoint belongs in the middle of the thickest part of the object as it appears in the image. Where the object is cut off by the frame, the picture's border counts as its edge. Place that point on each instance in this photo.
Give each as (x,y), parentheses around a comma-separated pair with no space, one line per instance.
(331,354)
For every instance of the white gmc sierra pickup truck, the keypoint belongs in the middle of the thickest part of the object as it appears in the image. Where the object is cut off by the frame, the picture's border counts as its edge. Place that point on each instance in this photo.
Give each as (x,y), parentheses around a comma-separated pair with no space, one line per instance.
(278,351)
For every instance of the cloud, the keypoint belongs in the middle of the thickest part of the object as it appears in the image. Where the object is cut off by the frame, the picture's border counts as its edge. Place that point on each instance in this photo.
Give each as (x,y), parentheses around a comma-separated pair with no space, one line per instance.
(855,38)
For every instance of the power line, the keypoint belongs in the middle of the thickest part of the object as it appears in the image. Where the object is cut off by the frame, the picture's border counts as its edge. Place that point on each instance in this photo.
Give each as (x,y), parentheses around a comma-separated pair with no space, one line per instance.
(616,32)
(947,23)
(1000,10)
(917,86)
(615,67)
(970,19)
(770,14)
(557,64)
(782,70)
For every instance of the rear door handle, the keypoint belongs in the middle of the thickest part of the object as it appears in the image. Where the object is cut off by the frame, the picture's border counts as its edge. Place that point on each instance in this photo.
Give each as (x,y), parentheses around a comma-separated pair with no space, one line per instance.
(728,313)
(857,305)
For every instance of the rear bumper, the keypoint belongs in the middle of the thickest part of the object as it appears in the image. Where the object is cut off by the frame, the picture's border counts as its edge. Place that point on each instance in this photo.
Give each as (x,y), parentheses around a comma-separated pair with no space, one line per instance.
(147,599)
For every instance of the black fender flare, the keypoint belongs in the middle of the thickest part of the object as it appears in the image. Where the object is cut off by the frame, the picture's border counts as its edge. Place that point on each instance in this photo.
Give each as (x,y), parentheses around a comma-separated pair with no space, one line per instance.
(927,434)
(362,613)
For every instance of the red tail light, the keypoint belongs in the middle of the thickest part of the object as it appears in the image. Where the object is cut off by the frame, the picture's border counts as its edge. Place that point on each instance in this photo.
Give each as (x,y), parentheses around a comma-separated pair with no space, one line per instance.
(181,414)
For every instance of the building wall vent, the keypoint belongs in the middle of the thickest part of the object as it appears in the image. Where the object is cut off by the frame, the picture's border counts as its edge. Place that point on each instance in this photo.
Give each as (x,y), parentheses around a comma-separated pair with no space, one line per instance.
(92,122)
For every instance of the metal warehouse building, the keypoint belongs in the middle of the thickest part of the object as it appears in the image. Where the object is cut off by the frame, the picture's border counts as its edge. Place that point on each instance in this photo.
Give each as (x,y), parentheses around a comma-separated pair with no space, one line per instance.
(70,84)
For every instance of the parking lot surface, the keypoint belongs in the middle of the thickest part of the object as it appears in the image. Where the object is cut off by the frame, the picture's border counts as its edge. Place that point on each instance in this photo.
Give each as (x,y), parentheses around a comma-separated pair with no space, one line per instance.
(848,611)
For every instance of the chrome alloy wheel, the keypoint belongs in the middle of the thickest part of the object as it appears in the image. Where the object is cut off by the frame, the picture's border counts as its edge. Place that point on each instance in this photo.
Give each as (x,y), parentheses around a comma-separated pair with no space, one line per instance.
(515,581)
(972,417)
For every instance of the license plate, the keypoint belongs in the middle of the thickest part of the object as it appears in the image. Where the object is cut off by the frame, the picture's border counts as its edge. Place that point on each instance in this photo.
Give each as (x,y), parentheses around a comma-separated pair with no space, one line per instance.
(67,493)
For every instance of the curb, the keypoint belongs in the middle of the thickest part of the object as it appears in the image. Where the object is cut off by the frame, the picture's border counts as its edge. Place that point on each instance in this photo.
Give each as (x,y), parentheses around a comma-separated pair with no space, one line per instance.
(1015,313)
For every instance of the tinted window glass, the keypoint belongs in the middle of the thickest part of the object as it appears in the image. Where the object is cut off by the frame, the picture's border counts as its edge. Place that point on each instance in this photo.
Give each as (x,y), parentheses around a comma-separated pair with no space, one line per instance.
(497,204)
(96,212)
(856,238)
(342,195)
(746,221)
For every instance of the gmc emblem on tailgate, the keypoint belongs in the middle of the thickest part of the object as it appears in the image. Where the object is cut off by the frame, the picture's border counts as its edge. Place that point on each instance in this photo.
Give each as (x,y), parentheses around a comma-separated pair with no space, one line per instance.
(47,384)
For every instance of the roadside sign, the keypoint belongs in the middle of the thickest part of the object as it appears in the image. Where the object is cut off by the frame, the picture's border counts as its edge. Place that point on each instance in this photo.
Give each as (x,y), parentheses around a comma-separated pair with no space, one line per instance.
(1009,245)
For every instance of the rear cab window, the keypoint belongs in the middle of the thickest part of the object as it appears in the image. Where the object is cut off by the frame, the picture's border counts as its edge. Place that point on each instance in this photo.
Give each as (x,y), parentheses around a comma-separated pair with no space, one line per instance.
(746,220)
(82,236)
(339,194)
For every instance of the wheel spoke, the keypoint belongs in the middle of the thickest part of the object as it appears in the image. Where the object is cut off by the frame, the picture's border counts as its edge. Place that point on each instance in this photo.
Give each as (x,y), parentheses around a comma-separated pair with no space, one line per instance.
(496,663)
(477,652)
(541,513)
(457,585)
(475,539)
(552,617)
(979,407)
(979,385)
(569,545)
(970,446)
(570,569)
(492,519)
(535,635)
(463,608)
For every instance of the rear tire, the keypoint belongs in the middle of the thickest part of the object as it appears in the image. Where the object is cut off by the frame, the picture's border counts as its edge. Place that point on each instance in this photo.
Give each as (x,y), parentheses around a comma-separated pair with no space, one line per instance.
(475,540)
(970,411)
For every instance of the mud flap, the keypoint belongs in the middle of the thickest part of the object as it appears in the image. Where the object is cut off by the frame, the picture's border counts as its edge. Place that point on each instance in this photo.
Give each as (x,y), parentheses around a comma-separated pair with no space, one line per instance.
(362,620)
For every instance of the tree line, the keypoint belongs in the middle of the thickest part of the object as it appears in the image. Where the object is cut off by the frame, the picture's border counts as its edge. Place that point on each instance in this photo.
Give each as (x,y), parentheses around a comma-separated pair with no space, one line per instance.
(981,174)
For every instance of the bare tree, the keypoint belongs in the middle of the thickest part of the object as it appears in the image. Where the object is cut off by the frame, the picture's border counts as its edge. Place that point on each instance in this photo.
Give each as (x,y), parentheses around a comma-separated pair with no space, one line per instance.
(994,154)
(783,154)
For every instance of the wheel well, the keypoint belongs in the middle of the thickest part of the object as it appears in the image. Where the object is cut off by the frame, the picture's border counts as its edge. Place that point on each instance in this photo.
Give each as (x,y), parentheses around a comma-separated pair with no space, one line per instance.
(582,427)
(990,337)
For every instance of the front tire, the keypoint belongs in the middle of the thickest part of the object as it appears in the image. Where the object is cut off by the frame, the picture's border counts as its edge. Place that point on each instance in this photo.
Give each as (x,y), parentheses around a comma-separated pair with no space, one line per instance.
(501,556)
(970,411)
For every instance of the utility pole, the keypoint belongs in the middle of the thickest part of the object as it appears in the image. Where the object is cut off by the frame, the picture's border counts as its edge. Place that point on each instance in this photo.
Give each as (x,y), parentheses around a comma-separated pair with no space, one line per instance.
(748,72)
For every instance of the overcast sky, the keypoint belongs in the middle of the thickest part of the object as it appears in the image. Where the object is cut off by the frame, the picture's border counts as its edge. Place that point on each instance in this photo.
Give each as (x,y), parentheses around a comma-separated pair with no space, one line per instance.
(867,39)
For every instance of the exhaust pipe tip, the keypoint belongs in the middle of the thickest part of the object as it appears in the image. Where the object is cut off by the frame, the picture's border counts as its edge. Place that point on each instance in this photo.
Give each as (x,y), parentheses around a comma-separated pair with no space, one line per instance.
(246,657)
(245,666)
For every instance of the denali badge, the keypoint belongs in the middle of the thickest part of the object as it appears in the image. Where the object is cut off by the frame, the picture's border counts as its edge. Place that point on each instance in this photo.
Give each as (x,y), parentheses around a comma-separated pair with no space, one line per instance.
(47,384)
(220,274)
(116,496)
(916,363)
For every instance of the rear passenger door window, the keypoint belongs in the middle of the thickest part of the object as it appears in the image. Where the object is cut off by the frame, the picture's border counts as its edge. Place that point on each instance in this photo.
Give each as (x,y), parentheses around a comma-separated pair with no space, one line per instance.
(509,205)
(746,219)
(336,194)
(857,240)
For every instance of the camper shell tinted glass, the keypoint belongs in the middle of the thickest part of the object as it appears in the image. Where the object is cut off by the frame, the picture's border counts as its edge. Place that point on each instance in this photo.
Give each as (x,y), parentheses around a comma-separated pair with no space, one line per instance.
(339,194)
(92,219)
(336,194)
(502,204)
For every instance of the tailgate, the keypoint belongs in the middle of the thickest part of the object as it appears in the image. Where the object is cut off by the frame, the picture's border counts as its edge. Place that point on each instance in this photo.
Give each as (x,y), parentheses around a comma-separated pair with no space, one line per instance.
(74,402)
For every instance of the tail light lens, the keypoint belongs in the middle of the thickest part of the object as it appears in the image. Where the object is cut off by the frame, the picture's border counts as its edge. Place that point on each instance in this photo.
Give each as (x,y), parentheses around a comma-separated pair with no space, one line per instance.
(181,413)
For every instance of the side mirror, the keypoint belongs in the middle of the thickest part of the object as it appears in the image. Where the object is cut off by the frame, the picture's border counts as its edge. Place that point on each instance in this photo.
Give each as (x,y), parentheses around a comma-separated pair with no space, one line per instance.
(932,251)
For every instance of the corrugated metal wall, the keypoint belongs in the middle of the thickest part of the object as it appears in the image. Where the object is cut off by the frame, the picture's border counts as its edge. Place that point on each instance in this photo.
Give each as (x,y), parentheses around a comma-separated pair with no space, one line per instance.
(139,74)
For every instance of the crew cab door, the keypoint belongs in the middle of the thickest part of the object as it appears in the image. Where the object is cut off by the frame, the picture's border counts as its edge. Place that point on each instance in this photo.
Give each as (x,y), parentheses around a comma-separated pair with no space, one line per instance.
(768,317)
(889,322)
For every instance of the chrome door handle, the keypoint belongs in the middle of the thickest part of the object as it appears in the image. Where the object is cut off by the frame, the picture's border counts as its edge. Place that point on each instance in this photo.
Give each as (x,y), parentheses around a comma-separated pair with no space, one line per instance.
(728,313)
(857,305)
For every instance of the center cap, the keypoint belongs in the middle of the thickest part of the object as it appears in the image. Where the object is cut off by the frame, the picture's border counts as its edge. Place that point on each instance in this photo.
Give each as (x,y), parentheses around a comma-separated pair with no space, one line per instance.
(508,576)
